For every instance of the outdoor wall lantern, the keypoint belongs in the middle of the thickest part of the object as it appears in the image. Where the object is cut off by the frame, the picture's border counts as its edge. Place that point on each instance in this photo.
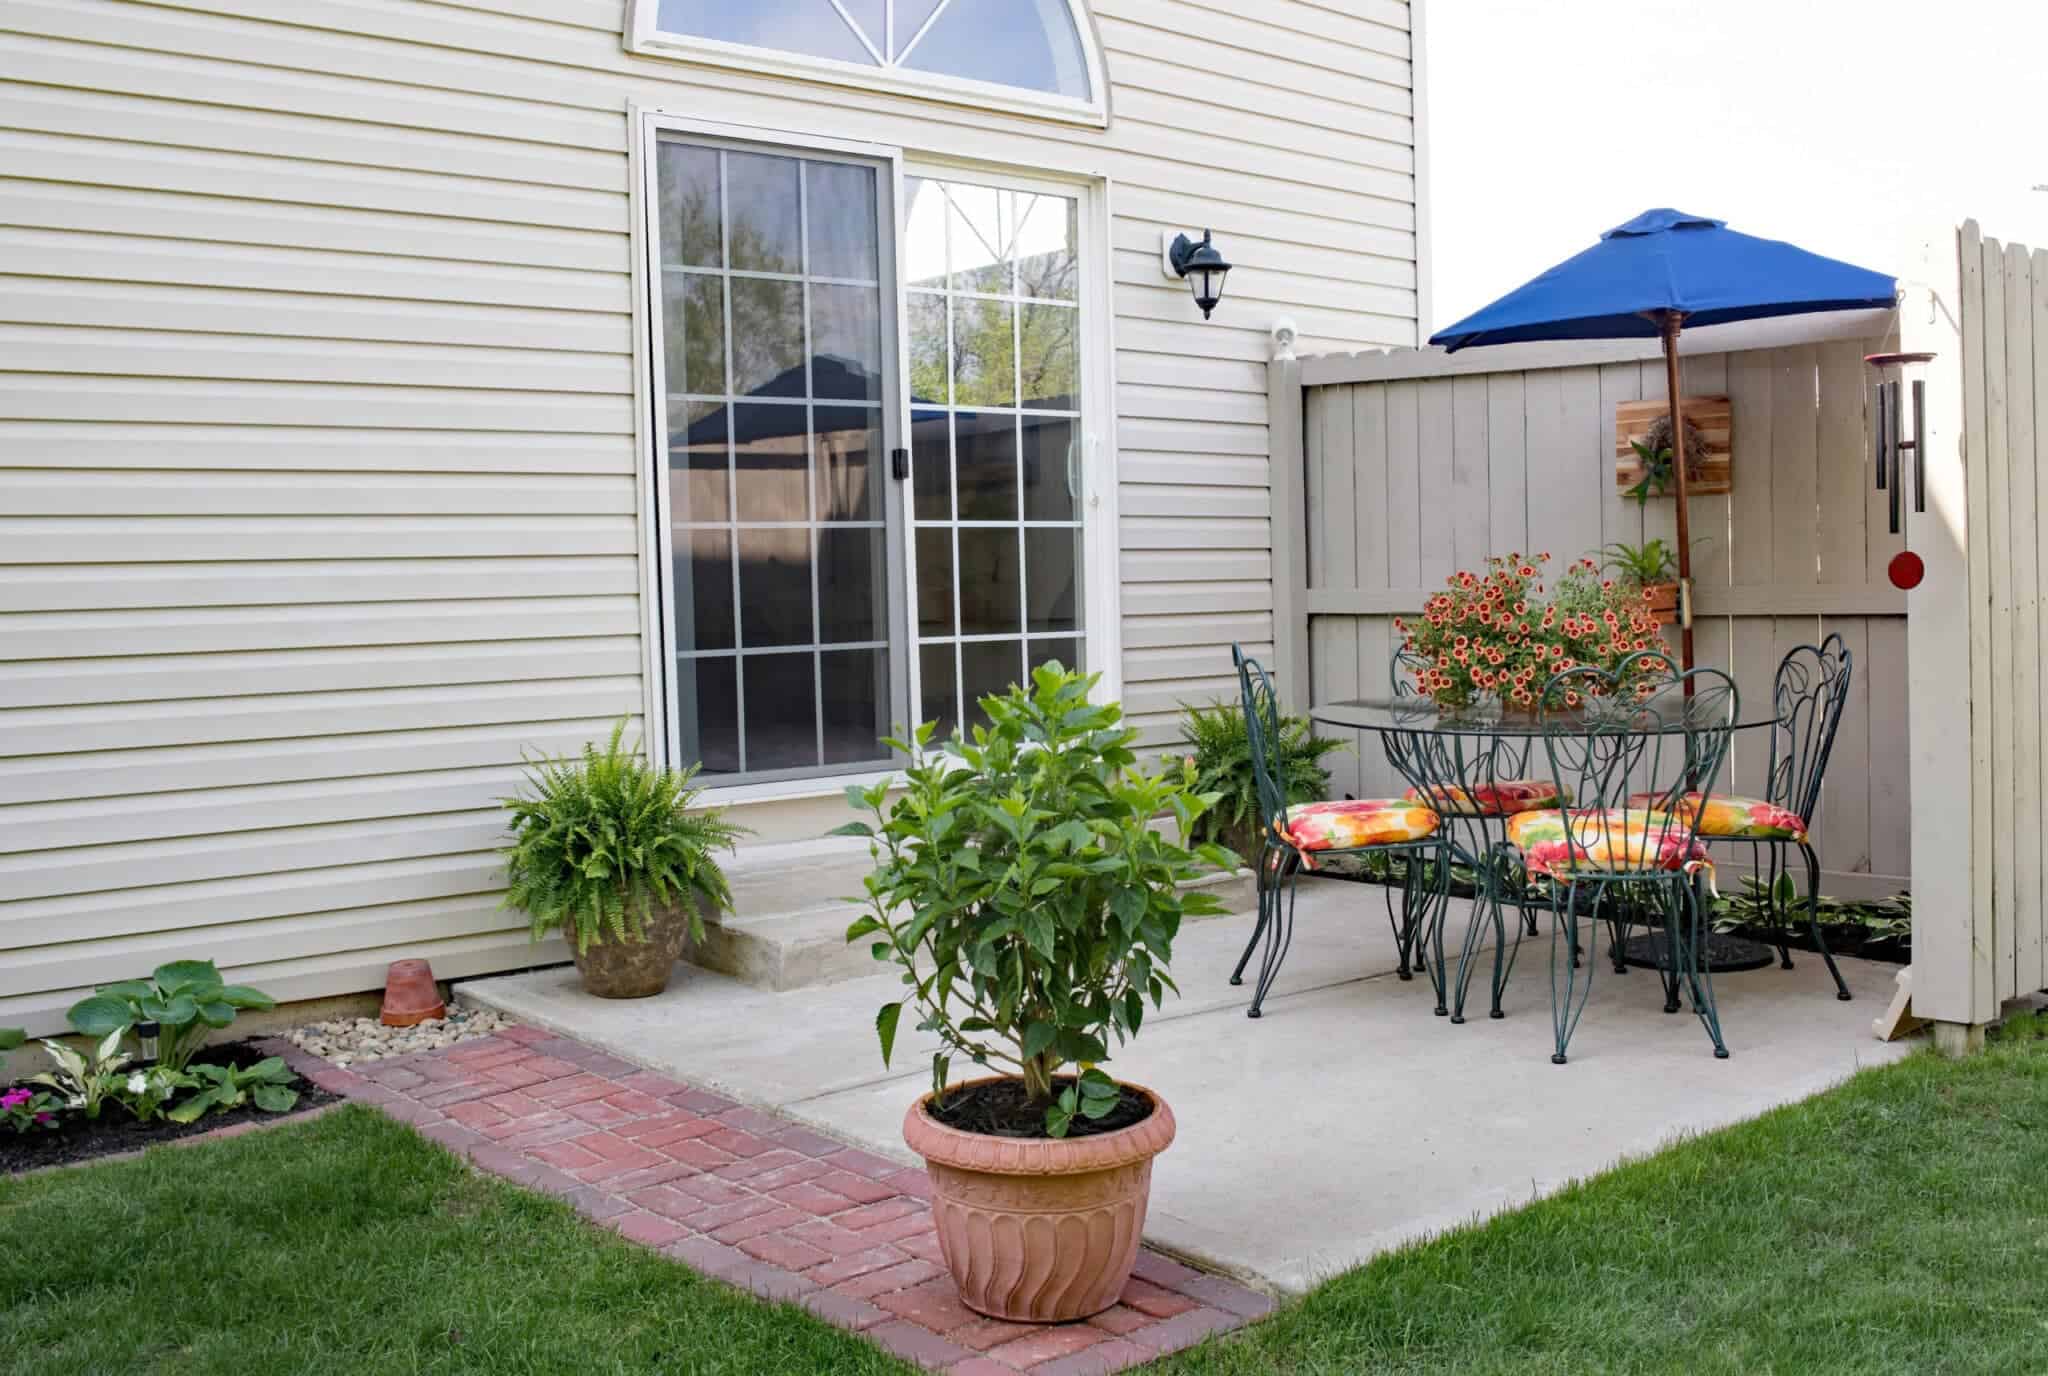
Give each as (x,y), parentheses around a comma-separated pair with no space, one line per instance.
(1200,266)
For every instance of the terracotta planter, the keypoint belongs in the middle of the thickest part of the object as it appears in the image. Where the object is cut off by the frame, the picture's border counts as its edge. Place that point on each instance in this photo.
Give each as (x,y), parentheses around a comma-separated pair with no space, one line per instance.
(1038,1230)
(410,995)
(635,969)
(1663,602)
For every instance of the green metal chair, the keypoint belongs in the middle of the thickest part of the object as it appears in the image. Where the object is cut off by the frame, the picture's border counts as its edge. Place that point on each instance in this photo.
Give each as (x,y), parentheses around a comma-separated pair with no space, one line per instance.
(1623,851)
(1310,837)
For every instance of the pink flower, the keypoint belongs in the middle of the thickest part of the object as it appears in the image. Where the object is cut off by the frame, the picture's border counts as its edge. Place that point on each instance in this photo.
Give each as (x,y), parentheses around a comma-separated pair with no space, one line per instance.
(15,1098)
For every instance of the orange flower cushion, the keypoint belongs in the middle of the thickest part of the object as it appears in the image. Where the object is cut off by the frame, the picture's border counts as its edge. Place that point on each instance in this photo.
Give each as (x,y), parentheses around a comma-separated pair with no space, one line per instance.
(1609,841)
(1353,825)
(1502,799)
(1747,819)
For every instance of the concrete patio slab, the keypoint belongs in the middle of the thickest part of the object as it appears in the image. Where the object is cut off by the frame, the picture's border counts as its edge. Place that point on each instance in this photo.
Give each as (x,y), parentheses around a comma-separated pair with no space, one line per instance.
(1346,1121)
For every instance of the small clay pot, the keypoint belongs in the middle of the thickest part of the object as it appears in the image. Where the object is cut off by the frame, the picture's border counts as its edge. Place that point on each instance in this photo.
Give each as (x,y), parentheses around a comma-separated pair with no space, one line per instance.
(634,969)
(1039,1230)
(1662,599)
(410,995)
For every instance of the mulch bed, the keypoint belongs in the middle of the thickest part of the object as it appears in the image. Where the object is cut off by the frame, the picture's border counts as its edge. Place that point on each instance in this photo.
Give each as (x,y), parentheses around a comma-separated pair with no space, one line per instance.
(78,1139)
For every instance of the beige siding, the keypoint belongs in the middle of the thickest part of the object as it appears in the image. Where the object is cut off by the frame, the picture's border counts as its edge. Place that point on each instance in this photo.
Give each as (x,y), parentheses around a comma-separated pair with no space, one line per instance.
(318,473)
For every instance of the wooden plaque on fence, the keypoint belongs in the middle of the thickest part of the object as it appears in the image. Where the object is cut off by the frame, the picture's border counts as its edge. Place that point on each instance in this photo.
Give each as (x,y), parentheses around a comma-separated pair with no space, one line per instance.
(1707,473)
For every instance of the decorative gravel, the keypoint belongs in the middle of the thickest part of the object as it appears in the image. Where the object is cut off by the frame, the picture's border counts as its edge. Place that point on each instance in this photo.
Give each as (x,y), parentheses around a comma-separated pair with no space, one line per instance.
(349,1041)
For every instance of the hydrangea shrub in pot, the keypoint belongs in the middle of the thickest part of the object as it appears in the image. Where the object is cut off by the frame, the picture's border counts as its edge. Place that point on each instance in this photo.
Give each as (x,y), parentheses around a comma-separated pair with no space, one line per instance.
(1031,905)
(616,855)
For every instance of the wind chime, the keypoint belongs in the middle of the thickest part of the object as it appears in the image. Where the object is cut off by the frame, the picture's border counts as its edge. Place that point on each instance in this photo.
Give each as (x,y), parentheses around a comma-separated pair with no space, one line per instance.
(1906,568)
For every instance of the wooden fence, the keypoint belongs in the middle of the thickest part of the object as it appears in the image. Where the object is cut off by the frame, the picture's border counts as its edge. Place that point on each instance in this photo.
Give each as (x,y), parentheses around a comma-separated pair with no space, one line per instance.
(1392,470)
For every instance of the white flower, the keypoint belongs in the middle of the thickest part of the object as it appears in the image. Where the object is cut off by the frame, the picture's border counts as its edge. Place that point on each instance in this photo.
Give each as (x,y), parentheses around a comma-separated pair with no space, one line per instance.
(137,1083)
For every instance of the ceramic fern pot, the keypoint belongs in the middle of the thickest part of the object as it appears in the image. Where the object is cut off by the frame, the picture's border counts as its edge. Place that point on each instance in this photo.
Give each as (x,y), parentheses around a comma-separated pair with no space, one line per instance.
(1040,1230)
(635,969)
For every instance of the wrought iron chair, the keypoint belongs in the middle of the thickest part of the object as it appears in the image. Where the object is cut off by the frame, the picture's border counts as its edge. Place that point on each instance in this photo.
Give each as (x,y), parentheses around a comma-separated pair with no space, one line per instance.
(1620,849)
(1808,694)
(1475,783)
(1316,837)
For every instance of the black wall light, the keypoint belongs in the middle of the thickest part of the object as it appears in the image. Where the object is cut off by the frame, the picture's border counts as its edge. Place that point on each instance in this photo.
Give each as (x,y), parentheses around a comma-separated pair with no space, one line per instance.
(1201,267)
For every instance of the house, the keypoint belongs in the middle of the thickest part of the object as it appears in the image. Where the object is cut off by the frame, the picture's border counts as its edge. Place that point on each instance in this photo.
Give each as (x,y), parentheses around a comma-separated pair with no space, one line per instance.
(393,389)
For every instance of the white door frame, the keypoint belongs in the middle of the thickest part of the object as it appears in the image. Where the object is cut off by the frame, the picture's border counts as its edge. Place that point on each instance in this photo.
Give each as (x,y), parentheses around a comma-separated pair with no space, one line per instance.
(1101,571)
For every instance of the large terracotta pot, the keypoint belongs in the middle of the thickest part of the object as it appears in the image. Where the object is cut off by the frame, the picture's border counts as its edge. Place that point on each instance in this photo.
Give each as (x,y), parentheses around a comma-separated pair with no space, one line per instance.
(1040,1230)
(635,969)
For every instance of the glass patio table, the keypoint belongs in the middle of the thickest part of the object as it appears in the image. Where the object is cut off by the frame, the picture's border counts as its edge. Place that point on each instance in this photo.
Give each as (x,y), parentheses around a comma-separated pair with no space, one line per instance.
(1459,754)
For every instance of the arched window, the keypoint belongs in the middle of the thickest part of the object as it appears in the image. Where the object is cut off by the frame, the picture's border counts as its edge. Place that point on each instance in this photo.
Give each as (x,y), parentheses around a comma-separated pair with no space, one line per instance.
(1034,55)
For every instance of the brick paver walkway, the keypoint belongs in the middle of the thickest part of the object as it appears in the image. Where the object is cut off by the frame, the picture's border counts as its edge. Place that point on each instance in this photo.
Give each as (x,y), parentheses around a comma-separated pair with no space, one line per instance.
(758,1201)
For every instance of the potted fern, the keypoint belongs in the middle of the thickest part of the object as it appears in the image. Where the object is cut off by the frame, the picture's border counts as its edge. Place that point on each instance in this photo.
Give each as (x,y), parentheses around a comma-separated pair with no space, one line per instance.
(1215,739)
(616,855)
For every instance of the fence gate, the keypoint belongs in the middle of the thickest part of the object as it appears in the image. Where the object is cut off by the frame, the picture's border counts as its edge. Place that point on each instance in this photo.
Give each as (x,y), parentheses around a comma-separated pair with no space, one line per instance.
(1979,684)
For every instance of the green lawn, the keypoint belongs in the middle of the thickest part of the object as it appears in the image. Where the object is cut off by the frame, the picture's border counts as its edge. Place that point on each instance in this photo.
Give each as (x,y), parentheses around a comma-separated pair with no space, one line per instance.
(1899,1223)
(1896,1224)
(348,1245)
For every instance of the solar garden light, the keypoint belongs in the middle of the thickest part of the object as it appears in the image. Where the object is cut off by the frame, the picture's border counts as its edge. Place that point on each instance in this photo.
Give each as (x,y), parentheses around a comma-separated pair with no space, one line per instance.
(1200,266)
(146,1035)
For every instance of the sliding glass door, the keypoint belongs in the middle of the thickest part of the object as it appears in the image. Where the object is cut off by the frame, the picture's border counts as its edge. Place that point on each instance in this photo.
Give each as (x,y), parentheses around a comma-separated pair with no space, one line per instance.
(864,519)
(777,326)
(992,286)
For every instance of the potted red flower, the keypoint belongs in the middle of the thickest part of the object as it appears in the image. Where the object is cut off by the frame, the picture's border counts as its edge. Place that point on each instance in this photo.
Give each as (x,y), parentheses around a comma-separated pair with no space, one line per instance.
(1493,636)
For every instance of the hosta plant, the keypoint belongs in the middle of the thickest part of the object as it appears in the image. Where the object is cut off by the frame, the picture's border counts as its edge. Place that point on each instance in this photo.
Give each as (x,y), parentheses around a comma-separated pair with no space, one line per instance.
(11,1037)
(83,1080)
(598,843)
(1024,893)
(222,1087)
(186,999)
(1215,739)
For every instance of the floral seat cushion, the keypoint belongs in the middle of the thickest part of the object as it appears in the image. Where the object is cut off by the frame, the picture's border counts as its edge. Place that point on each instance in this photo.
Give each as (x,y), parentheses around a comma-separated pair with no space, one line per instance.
(1732,816)
(1355,824)
(1501,799)
(1608,841)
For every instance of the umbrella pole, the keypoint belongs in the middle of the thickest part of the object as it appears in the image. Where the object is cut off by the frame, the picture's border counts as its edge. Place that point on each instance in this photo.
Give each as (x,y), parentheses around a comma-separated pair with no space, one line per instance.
(1670,321)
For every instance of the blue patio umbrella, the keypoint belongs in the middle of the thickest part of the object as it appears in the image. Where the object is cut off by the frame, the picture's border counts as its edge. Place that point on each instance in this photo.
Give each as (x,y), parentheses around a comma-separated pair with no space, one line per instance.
(1650,277)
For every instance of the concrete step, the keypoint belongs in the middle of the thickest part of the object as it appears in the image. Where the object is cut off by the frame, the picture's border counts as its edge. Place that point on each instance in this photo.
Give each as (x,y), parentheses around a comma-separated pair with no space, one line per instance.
(792,903)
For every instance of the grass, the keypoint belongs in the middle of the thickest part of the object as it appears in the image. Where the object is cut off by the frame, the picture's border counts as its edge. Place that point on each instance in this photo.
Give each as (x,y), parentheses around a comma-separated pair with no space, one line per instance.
(349,1245)
(1896,1224)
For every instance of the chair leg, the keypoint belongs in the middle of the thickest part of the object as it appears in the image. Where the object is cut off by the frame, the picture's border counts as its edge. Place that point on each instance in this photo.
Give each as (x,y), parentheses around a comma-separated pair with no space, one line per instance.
(1279,931)
(1440,914)
(1813,919)
(1568,998)
(1782,917)
(1690,913)
(1261,889)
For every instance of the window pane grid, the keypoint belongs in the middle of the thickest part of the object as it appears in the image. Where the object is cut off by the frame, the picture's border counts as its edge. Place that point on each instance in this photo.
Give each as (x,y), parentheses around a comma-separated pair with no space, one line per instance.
(774,706)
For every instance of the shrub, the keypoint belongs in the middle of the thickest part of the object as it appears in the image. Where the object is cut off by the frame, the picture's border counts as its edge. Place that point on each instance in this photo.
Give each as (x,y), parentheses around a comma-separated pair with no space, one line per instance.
(1215,738)
(185,998)
(606,839)
(1021,888)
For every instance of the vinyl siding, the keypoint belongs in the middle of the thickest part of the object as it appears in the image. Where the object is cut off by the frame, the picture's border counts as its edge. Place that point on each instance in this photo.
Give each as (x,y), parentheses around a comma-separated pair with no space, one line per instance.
(318,468)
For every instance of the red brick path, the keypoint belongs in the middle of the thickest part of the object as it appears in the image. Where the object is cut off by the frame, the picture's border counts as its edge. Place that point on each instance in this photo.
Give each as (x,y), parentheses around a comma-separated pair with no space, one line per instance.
(759,1202)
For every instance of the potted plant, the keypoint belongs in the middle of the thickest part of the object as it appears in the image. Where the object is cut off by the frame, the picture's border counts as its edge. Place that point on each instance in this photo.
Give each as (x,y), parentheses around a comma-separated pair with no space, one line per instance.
(1032,906)
(1651,568)
(1494,637)
(1215,739)
(1653,452)
(616,854)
